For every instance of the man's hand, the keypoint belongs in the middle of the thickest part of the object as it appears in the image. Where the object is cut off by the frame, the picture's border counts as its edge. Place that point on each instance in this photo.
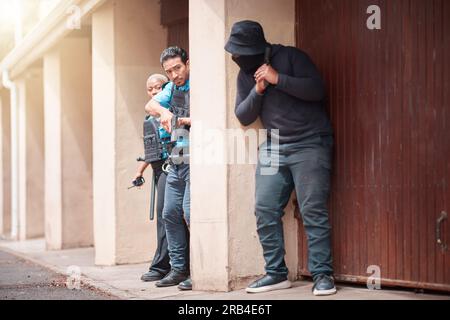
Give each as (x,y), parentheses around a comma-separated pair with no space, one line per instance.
(166,120)
(261,86)
(267,73)
(184,121)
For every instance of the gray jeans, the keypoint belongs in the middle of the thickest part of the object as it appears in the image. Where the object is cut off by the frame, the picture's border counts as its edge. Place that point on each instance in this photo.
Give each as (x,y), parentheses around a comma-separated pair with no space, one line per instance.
(304,166)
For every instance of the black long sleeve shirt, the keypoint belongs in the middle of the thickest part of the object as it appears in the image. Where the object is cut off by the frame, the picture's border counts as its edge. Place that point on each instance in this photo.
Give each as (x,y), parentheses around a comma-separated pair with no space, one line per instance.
(295,106)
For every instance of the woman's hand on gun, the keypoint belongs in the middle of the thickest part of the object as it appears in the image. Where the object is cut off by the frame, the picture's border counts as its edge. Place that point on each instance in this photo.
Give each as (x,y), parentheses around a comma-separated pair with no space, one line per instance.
(138,175)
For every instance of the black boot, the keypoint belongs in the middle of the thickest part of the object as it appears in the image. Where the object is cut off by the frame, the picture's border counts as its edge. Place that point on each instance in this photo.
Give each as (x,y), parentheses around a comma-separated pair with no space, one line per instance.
(172,279)
(186,284)
(152,275)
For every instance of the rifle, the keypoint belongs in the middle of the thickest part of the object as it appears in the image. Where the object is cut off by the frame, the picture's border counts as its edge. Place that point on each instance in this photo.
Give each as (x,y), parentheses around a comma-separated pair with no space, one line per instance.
(154,150)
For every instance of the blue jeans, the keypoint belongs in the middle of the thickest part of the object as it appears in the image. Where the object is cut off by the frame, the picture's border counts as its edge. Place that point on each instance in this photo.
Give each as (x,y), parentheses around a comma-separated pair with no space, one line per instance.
(304,166)
(176,215)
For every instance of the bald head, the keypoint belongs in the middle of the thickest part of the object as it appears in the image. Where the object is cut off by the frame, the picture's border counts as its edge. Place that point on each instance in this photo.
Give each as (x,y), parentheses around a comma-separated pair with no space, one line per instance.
(155,83)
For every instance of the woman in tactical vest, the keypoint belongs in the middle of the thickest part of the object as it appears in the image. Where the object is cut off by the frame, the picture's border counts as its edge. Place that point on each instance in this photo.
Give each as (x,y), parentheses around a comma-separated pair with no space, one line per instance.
(155,156)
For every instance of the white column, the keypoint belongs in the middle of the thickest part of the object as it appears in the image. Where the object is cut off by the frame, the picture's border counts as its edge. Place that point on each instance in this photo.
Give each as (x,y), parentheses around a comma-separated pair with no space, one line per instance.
(14,162)
(2,152)
(225,250)
(6,161)
(22,168)
(127,41)
(209,183)
(68,144)
(31,155)
(10,165)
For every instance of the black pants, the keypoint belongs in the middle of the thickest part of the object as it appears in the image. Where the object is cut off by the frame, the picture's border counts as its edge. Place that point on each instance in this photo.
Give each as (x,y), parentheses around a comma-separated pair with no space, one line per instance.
(304,166)
(161,259)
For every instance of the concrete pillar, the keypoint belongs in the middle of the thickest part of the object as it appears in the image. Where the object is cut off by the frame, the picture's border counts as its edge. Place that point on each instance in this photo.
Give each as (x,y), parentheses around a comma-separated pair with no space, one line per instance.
(31,155)
(68,144)
(5,163)
(127,41)
(14,143)
(225,250)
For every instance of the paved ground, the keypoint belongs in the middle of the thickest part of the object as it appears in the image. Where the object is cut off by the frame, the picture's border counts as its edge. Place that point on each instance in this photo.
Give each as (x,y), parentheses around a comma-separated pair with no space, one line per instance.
(24,280)
(123,281)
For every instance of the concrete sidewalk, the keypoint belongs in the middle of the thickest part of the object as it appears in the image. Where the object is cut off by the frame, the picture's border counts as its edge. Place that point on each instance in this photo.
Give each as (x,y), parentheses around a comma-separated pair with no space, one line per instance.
(22,279)
(123,281)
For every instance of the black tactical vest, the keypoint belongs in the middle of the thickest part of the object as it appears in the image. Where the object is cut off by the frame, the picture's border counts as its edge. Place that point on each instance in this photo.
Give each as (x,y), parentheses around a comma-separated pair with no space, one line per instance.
(180,107)
(179,104)
(153,144)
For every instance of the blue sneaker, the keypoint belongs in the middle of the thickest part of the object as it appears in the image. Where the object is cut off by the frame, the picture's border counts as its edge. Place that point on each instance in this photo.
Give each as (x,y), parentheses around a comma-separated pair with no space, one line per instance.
(268,283)
(323,285)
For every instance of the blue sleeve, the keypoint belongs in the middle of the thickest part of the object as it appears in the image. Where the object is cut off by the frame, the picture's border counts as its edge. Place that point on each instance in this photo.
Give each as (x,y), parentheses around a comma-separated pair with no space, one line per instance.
(163,98)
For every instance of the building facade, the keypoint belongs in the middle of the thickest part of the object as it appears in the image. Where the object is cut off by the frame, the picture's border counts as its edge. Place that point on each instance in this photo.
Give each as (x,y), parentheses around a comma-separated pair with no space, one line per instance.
(72,100)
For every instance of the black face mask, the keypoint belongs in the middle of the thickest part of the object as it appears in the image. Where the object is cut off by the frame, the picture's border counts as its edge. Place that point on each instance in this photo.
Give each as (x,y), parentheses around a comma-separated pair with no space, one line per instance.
(249,64)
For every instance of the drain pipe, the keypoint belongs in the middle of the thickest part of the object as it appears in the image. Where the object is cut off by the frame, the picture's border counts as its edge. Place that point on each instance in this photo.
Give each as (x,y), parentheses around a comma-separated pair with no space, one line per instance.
(7,83)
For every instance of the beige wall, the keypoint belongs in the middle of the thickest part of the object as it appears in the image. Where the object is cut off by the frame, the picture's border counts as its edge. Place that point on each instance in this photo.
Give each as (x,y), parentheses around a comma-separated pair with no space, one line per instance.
(127,43)
(76,131)
(223,196)
(5,163)
(278,21)
(68,144)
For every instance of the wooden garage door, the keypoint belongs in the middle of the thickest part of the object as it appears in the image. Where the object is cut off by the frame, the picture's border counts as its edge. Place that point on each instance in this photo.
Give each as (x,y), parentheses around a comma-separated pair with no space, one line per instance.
(389,101)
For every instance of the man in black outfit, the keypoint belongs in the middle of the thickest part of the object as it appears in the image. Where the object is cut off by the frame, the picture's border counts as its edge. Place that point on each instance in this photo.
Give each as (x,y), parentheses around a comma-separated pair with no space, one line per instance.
(288,94)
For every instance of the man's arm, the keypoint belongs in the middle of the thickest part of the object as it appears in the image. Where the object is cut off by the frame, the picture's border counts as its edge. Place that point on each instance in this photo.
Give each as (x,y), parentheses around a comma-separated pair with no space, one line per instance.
(306,82)
(248,101)
(155,109)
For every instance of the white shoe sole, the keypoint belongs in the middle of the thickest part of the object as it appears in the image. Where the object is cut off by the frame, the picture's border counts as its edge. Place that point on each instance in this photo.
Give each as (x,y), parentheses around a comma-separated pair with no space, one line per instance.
(279,286)
(324,292)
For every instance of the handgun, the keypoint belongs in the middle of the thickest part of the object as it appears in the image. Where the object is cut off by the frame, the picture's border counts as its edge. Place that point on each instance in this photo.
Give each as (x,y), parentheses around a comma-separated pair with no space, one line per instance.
(267,53)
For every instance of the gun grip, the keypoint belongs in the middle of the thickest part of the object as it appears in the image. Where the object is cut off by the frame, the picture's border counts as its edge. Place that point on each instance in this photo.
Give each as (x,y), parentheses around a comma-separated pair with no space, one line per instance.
(267,53)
